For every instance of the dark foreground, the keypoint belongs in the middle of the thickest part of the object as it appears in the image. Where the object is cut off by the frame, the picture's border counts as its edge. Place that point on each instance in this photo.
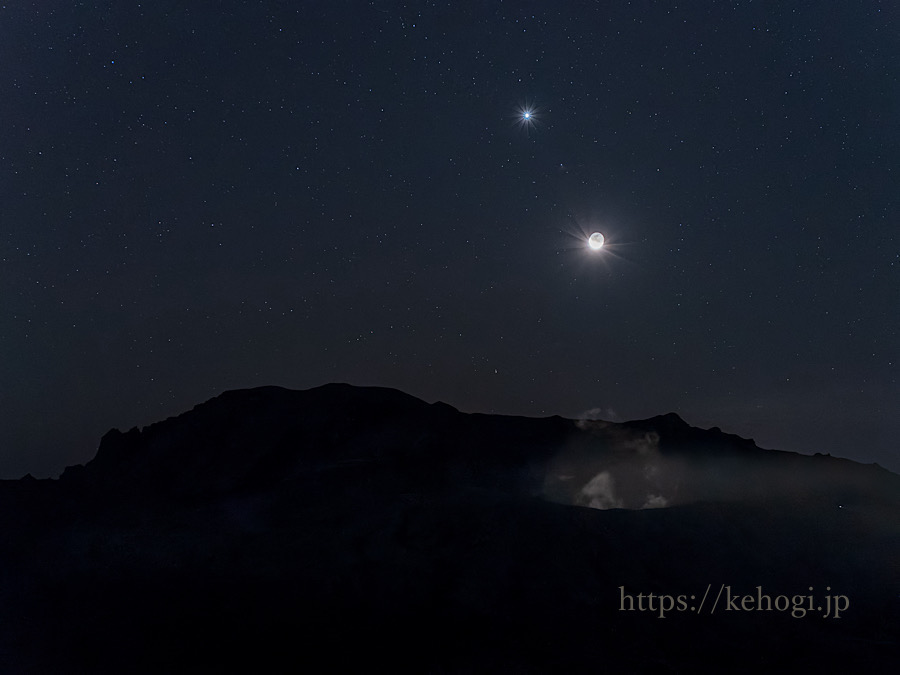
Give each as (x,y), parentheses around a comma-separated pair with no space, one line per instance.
(273,531)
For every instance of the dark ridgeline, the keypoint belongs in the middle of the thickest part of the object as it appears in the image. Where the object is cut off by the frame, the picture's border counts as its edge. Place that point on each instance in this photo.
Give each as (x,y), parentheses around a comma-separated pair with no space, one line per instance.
(345,527)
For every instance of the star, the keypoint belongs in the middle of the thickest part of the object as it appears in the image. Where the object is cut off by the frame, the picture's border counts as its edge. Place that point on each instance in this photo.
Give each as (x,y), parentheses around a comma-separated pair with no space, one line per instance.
(527,116)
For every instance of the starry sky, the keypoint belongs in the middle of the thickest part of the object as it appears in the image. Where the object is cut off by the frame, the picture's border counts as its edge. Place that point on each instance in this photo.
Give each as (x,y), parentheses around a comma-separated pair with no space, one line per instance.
(197,197)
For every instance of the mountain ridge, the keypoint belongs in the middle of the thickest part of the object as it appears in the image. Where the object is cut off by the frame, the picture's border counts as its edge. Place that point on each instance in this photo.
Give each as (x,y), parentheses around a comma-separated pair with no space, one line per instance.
(354,527)
(262,431)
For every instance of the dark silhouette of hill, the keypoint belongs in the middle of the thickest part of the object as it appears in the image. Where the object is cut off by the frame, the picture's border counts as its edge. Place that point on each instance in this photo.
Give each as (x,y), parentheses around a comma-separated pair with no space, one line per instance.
(269,530)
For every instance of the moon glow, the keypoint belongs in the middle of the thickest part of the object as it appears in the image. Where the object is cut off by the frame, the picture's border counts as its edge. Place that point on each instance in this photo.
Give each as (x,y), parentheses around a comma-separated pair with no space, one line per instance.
(595,241)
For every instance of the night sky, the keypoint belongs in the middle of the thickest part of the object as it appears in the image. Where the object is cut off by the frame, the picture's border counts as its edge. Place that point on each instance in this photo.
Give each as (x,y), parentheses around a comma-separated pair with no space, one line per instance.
(233,194)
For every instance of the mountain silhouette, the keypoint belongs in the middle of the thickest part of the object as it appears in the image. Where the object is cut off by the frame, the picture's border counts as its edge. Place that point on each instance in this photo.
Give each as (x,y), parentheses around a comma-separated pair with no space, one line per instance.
(344,527)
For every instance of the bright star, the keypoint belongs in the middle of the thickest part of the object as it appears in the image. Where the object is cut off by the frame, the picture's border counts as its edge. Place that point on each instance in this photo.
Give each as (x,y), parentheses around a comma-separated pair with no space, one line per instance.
(527,116)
